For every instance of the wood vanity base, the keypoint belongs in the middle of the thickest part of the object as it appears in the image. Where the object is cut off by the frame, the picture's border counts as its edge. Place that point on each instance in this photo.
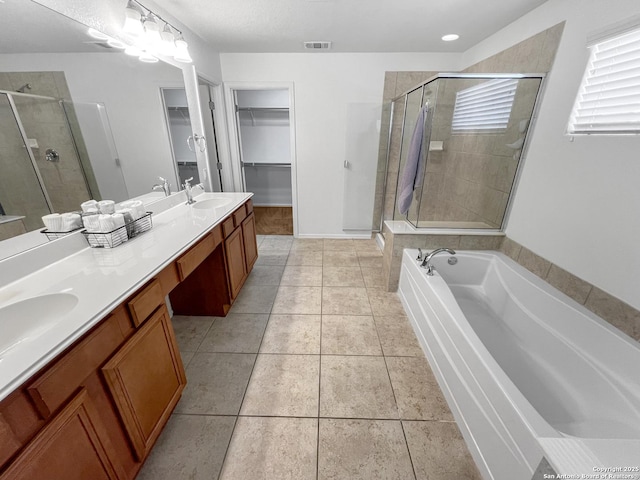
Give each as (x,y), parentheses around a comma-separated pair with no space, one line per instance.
(97,409)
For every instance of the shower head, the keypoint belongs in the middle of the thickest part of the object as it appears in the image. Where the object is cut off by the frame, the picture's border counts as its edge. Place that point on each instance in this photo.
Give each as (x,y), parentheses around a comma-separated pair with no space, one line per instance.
(26,86)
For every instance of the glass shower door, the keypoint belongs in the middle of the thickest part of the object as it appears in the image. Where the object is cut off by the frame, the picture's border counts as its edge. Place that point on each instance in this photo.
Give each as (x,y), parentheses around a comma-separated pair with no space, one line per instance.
(21,194)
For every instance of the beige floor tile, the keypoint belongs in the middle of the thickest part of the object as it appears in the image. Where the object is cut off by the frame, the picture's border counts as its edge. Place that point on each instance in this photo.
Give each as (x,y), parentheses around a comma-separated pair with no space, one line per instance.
(235,333)
(265,275)
(272,449)
(370,246)
(370,260)
(216,383)
(312,258)
(345,301)
(340,258)
(272,257)
(307,245)
(438,452)
(362,450)
(277,242)
(190,446)
(385,303)
(342,277)
(298,300)
(190,331)
(283,385)
(373,277)
(349,335)
(416,389)
(339,244)
(397,337)
(186,358)
(295,334)
(356,387)
(302,276)
(255,299)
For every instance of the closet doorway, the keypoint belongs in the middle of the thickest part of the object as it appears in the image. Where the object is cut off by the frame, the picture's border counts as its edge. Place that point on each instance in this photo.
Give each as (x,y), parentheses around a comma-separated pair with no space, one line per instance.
(264,133)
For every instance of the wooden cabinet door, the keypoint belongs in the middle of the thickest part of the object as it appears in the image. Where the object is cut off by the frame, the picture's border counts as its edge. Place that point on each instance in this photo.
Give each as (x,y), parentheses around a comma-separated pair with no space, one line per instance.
(146,378)
(250,243)
(68,448)
(234,257)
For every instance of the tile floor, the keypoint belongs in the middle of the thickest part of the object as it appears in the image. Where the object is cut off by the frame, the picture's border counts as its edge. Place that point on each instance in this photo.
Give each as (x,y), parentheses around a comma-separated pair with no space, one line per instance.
(315,374)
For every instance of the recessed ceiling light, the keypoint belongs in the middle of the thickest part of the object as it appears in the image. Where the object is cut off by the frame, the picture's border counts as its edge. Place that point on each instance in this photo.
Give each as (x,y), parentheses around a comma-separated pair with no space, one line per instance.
(450,37)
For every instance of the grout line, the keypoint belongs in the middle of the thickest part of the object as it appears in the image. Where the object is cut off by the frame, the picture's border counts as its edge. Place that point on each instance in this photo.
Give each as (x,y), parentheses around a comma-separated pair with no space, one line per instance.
(406,443)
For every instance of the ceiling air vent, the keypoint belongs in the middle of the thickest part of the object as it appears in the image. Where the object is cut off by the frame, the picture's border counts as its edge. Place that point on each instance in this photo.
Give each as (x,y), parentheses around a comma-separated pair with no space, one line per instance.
(317,45)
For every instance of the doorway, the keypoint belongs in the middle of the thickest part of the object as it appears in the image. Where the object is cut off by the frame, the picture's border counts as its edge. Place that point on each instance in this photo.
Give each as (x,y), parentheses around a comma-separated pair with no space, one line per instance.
(263,121)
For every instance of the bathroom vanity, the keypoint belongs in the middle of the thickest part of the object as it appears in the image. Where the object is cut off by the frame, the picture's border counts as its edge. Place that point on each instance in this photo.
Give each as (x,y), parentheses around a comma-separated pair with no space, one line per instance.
(87,399)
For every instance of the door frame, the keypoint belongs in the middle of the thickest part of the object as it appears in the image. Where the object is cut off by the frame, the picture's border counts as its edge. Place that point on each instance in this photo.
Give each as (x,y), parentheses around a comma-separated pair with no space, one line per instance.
(234,136)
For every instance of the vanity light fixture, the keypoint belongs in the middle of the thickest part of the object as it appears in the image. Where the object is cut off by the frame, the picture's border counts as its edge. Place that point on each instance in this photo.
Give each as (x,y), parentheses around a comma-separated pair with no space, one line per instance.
(133,51)
(146,57)
(146,32)
(450,37)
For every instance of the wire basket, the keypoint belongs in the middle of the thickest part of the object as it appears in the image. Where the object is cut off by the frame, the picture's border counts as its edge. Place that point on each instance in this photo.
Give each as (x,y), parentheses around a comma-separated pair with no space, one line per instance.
(120,235)
(56,235)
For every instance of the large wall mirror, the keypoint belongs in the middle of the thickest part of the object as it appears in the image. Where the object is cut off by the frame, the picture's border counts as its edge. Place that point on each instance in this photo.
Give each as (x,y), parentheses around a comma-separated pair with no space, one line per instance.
(78,119)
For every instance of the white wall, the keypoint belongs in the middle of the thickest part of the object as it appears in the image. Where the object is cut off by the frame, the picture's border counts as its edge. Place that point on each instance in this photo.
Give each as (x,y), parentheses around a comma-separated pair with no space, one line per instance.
(578,202)
(130,91)
(328,88)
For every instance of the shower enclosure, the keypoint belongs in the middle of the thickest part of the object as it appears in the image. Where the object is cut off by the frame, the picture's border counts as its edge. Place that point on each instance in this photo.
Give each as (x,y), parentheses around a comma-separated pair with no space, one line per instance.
(40,160)
(475,130)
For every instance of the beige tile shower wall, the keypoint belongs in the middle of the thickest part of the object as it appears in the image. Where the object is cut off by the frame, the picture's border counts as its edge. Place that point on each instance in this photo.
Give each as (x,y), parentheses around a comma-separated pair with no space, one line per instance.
(616,312)
(45,122)
(534,55)
(395,83)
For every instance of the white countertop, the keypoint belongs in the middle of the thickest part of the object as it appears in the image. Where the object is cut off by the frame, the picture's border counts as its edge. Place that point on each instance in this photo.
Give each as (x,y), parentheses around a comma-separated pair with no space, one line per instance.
(101,279)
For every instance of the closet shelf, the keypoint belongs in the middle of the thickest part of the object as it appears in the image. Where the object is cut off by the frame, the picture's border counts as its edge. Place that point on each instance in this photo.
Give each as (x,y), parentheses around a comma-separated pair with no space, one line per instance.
(262,109)
(264,164)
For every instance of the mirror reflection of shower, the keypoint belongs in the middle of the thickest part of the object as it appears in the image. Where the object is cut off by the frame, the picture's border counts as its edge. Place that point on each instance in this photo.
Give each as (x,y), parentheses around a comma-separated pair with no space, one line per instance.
(180,135)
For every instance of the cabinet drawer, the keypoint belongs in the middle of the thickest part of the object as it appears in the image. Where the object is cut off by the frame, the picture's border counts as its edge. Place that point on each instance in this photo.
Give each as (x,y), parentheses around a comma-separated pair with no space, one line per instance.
(239,215)
(145,302)
(228,226)
(59,382)
(249,206)
(188,262)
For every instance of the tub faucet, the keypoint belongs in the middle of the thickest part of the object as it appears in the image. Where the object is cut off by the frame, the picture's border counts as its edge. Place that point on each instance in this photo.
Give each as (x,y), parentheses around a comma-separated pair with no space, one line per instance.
(426,263)
(165,186)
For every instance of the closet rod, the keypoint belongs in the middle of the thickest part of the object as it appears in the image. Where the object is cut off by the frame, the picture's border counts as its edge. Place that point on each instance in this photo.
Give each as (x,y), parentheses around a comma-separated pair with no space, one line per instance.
(262,109)
(264,164)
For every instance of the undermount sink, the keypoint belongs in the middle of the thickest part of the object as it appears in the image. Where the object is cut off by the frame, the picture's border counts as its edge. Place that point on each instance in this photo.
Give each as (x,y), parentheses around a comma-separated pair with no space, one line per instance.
(211,203)
(24,320)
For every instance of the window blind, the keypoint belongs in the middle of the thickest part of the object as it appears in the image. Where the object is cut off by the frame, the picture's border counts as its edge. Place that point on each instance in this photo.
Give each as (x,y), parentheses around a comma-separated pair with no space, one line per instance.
(608,100)
(484,107)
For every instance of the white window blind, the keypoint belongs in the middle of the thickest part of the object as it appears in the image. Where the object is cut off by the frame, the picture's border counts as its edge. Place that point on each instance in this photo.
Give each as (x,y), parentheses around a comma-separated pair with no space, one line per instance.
(608,101)
(484,107)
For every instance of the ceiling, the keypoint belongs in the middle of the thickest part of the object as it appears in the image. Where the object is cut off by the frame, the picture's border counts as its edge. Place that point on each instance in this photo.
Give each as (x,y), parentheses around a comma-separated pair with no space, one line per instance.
(352,25)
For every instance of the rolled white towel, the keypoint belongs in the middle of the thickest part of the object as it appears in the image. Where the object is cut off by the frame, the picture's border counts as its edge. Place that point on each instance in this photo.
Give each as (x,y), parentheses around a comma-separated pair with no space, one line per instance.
(118,221)
(136,206)
(70,221)
(91,223)
(106,223)
(89,204)
(53,222)
(107,207)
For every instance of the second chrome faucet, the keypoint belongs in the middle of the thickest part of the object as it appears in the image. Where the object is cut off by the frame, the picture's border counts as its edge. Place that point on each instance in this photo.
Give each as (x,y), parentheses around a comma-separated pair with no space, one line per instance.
(426,262)
(188,190)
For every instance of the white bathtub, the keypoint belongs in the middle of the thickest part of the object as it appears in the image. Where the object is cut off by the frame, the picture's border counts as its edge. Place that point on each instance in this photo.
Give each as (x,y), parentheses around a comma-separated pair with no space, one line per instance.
(526,371)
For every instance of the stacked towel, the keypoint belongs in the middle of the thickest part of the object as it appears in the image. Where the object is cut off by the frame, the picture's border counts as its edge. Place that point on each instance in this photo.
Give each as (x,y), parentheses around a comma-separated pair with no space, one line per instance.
(65,222)
(136,206)
(107,207)
(89,204)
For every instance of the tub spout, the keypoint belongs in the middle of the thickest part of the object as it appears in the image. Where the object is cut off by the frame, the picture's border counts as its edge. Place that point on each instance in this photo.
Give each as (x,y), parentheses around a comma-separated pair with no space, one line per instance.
(427,259)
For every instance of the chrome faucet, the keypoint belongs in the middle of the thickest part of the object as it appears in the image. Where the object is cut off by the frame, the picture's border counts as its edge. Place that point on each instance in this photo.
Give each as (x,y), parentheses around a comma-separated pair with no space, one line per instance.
(188,188)
(426,263)
(165,186)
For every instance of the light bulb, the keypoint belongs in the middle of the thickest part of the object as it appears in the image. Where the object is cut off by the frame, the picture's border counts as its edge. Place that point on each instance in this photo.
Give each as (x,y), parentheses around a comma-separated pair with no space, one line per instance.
(132,20)
(151,30)
(133,51)
(168,41)
(182,51)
